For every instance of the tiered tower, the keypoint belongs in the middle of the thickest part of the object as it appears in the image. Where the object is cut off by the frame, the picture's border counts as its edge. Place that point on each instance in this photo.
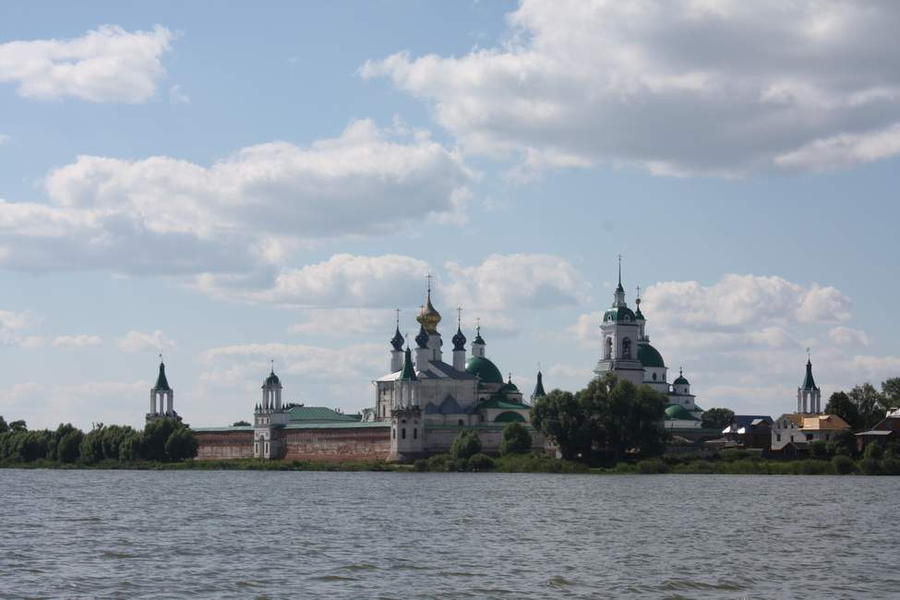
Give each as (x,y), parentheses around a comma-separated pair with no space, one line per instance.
(407,425)
(269,419)
(162,397)
(809,397)
(621,333)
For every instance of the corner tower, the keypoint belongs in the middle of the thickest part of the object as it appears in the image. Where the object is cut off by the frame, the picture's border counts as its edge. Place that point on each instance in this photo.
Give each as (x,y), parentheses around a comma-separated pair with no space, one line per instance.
(162,397)
(621,332)
(269,419)
(809,397)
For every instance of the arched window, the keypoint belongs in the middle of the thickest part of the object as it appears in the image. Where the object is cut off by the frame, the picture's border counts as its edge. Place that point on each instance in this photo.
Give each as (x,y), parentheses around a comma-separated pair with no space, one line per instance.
(403,433)
(415,433)
(654,377)
(393,433)
(607,352)
(626,348)
(460,423)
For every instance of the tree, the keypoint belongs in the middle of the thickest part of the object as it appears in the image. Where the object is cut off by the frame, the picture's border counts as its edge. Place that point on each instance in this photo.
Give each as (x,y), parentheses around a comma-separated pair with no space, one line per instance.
(563,419)
(890,393)
(241,423)
(3,426)
(182,444)
(869,404)
(17,426)
(516,440)
(717,418)
(843,443)
(68,447)
(156,434)
(466,444)
(841,405)
(630,418)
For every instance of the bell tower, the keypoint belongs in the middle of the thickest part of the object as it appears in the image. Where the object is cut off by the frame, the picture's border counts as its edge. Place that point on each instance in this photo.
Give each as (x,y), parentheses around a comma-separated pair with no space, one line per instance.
(621,332)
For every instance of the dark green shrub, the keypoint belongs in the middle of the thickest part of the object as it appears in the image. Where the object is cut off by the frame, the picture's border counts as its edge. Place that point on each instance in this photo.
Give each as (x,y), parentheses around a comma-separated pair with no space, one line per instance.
(420,465)
(890,466)
(465,445)
(516,439)
(843,465)
(481,462)
(869,466)
(652,466)
(819,449)
(873,451)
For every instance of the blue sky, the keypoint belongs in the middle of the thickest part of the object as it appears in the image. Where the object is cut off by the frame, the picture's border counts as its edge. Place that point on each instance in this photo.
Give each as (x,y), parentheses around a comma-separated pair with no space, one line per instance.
(231,184)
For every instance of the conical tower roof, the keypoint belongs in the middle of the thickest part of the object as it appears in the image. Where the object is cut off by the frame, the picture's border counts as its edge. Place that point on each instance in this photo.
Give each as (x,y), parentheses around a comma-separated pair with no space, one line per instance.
(162,384)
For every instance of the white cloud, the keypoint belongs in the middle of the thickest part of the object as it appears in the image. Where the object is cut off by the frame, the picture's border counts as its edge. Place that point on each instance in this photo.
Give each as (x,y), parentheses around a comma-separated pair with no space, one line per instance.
(847,336)
(178,96)
(107,64)
(740,300)
(44,405)
(13,325)
(76,341)
(676,88)
(139,341)
(513,280)
(256,207)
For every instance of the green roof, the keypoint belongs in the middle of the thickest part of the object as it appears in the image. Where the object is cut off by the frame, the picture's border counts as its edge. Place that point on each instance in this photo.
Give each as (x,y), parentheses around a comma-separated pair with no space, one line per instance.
(408,374)
(162,384)
(808,382)
(509,417)
(650,356)
(317,414)
(484,369)
(497,401)
(678,412)
(621,313)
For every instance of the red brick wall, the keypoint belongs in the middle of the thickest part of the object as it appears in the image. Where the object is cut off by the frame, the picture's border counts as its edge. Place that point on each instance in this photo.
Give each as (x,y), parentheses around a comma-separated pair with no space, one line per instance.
(216,445)
(364,443)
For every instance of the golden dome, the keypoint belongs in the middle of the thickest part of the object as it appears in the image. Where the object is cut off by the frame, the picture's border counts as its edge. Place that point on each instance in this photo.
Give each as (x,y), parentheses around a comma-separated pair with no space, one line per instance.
(429,317)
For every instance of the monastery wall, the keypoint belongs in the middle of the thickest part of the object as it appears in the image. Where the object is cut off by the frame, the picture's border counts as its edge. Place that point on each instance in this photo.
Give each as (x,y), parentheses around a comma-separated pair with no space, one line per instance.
(343,444)
(218,445)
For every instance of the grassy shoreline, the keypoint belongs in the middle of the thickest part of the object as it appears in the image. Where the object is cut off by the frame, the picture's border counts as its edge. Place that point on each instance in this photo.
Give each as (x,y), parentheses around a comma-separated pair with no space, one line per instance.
(444,463)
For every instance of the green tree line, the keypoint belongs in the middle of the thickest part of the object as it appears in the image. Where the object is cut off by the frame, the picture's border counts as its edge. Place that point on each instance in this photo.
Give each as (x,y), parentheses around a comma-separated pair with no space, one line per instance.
(163,440)
(864,406)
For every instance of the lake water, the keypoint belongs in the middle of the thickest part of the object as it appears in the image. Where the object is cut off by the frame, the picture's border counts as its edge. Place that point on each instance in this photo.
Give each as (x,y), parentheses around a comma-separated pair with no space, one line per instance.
(131,534)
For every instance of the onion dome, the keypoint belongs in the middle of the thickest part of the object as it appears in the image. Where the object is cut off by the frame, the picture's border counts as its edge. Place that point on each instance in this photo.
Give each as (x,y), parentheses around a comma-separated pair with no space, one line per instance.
(484,369)
(681,379)
(678,412)
(162,384)
(650,356)
(478,338)
(272,379)
(509,386)
(422,337)
(408,374)
(397,340)
(637,312)
(429,317)
(459,340)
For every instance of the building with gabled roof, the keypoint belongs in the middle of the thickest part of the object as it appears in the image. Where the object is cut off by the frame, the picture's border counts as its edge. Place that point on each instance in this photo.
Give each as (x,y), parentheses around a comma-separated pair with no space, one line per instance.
(808,424)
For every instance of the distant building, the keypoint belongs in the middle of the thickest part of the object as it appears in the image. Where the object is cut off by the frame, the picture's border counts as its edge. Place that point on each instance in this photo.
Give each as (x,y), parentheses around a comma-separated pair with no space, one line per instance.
(886,430)
(749,431)
(628,354)
(808,424)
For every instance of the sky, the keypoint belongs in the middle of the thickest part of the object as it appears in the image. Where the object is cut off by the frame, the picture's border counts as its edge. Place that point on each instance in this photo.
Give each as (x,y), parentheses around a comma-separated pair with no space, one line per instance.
(230,184)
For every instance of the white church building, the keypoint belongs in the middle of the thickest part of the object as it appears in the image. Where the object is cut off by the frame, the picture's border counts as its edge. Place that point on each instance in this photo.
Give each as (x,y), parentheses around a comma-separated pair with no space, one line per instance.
(628,354)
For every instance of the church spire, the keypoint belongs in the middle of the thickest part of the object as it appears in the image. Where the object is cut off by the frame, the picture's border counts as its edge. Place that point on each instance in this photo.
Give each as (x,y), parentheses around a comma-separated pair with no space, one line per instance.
(619,296)
(538,387)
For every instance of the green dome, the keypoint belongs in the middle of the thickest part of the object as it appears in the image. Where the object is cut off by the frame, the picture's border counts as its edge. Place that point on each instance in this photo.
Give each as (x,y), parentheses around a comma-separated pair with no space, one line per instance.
(484,369)
(681,381)
(650,356)
(678,412)
(622,313)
